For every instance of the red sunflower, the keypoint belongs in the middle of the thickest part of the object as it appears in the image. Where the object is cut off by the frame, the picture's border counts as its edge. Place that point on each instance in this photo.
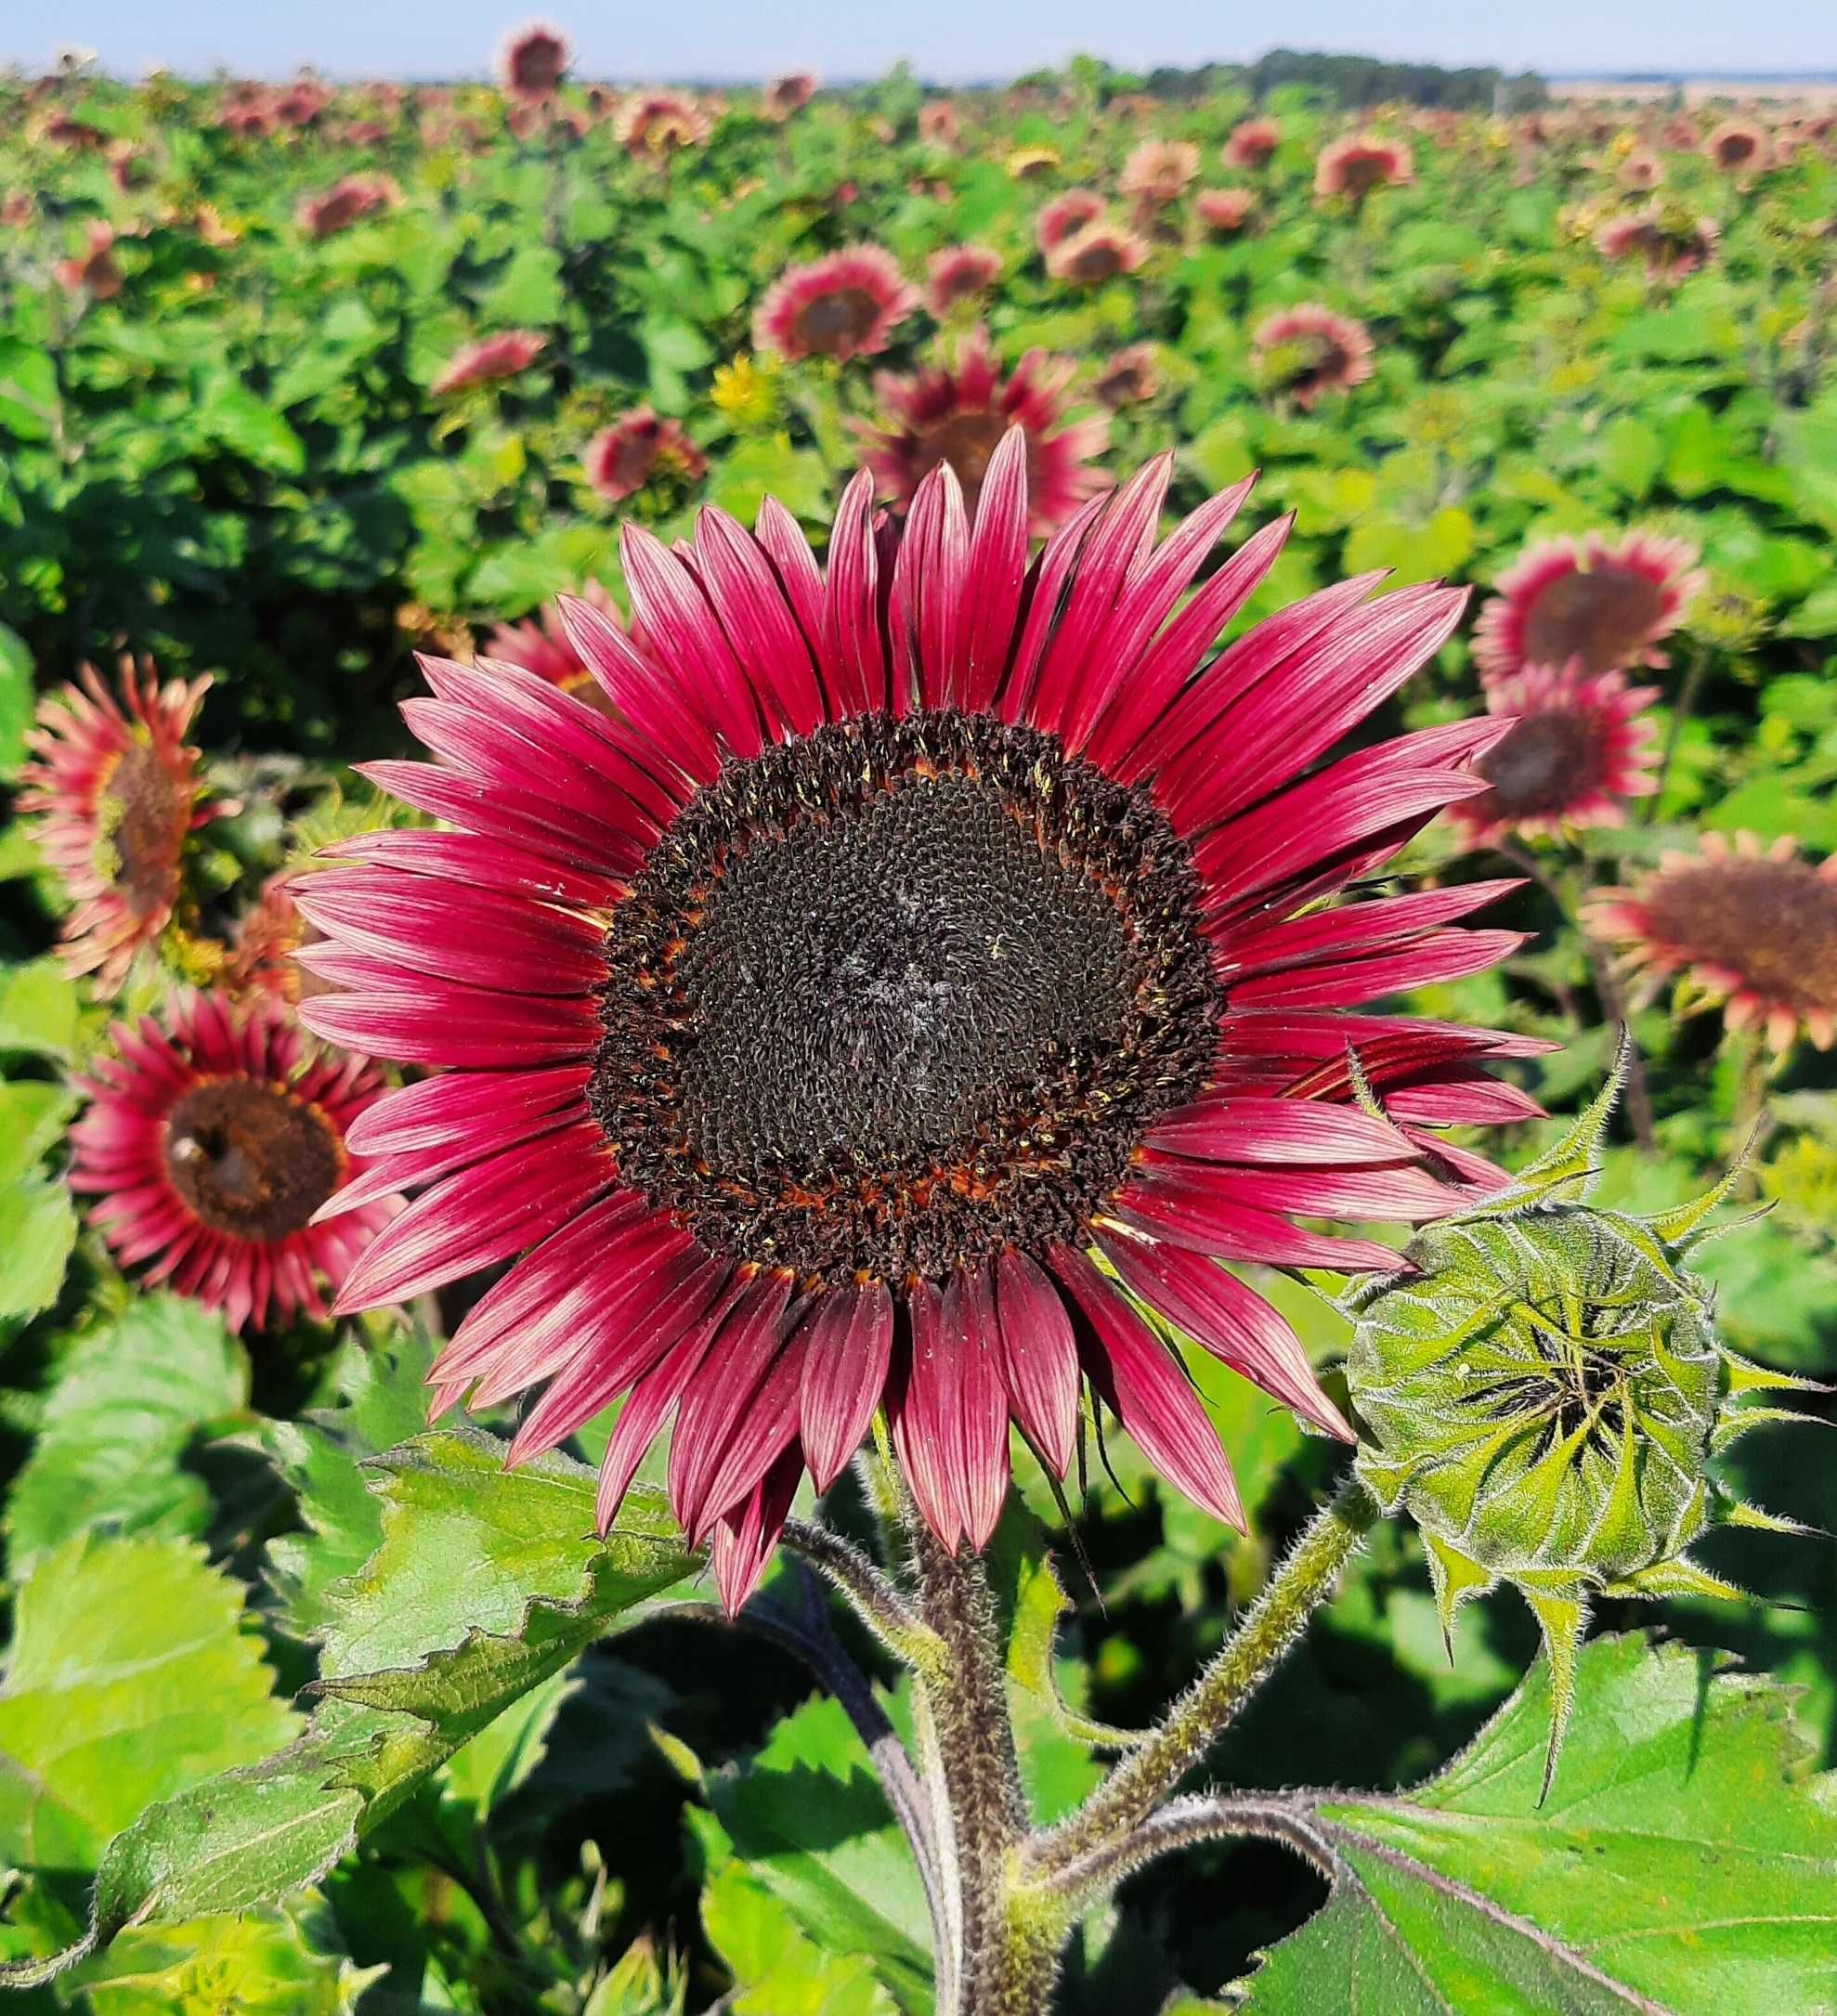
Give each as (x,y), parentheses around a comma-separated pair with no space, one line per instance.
(622,458)
(506,355)
(1361,162)
(845,305)
(1307,351)
(1580,746)
(533,62)
(1596,601)
(958,273)
(119,791)
(959,414)
(1754,927)
(931,975)
(1251,143)
(211,1141)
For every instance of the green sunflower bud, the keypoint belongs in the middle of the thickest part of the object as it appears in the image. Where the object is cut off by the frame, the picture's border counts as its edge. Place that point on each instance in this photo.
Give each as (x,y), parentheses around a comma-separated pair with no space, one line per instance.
(1543,1394)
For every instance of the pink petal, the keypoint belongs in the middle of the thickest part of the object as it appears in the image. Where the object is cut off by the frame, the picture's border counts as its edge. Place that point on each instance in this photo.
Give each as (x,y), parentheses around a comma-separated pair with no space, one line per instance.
(848,1344)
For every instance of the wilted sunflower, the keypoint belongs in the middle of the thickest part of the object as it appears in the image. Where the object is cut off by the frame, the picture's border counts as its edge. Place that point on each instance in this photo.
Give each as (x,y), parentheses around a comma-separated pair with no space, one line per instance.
(922,980)
(119,791)
(209,1142)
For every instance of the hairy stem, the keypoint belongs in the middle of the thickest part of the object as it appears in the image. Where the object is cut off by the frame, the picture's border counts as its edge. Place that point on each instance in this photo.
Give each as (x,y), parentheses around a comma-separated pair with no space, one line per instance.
(1148,1775)
(1000,1967)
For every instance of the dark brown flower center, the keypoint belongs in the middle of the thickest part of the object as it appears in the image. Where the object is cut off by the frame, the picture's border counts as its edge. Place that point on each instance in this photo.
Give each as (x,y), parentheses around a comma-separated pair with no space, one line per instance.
(1774,922)
(1097,261)
(837,320)
(145,815)
(1545,763)
(249,1159)
(898,996)
(1601,615)
(1360,173)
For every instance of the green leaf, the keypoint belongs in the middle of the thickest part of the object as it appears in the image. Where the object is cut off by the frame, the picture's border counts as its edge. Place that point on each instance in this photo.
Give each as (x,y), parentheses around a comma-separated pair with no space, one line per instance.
(487,1584)
(807,1820)
(772,467)
(38,1008)
(233,415)
(129,1399)
(32,1118)
(16,700)
(1683,1861)
(132,1678)
(383,1392)
(778,1970)
(37,1231)
(468,1547)
(269,1963)
(29,397)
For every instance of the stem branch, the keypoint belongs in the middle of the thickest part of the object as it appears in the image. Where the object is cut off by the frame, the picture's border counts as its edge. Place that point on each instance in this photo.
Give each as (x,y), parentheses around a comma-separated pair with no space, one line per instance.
(1142,1780)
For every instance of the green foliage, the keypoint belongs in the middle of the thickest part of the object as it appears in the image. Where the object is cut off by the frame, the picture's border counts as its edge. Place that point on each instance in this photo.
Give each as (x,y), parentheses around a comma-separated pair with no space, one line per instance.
(1684,1862)
(131,1398)
(480,1592)
(132,1678)
(805,1822)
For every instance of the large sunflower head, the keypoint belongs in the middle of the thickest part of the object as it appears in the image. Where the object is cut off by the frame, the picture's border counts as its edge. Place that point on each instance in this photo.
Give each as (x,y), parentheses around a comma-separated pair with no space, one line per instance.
(928,976)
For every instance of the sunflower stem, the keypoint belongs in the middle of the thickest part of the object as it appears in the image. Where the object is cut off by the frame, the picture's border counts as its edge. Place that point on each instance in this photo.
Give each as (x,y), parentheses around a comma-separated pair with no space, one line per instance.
(1144,1779)
(1004,1952)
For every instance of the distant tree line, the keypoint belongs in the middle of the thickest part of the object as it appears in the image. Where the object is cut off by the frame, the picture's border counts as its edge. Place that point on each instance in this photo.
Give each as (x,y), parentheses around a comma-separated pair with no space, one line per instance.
(1350,81)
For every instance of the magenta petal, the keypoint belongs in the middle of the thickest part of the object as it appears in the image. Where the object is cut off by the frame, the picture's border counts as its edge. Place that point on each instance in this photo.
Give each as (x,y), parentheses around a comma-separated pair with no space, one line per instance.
(745,1539)
(918,1409)
(681,631)
(605,1367)
(456,1026)
(479,862)
(470,935)
(725,1385)
(848,1344)
(1190,1211)
(432,1115)
(854,652)
(480,1216)
(1433,959)
(1141,1383)
(1237,1129)
(752,609)
(1043,602)
(650,1401)
(1039,1357)
(782,538)
(995,572)
(1235,1324)
(642,691)
(1268,945)
(977,1445)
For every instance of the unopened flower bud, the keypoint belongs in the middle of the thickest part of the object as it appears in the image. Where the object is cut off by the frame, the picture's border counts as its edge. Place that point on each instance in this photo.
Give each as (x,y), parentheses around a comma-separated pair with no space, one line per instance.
(1543,1391)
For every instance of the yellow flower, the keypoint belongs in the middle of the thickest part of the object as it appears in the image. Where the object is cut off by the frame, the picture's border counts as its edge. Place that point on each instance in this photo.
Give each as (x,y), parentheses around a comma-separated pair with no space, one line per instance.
(1025,163)
(746,392)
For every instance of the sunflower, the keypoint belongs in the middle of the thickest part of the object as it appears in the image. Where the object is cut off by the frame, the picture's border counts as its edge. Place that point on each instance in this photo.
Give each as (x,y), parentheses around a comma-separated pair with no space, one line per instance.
(1754,927)
(1596,602)
(847,305)
(910,998)
(212,1141)
(118,792)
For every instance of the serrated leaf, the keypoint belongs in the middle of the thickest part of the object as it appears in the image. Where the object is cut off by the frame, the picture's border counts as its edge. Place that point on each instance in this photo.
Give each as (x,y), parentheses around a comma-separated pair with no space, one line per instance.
(487,1582)
(129,1399)
(132,1677)
(1684,1862)
(384,1393)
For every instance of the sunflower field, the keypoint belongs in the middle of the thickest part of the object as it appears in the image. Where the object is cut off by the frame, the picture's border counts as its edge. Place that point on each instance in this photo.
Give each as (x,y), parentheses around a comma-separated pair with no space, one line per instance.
(917,1076)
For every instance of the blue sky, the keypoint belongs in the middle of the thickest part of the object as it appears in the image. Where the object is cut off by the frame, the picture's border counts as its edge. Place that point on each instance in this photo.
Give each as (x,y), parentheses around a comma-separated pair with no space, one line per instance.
(946,39)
